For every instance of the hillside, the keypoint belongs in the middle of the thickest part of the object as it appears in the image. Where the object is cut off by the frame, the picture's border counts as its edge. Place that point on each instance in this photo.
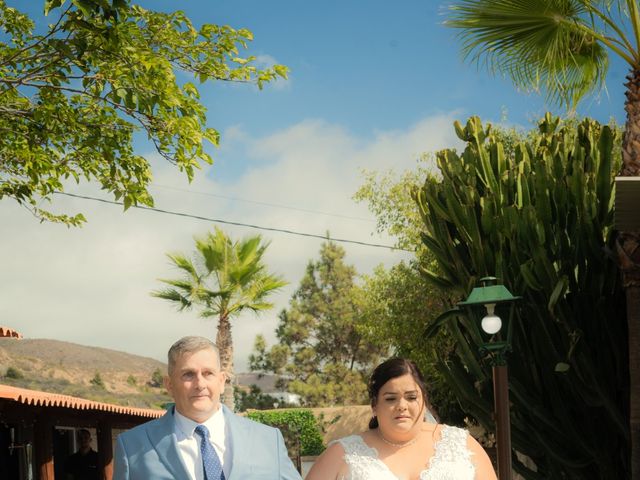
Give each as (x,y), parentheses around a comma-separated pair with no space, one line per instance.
(68,368)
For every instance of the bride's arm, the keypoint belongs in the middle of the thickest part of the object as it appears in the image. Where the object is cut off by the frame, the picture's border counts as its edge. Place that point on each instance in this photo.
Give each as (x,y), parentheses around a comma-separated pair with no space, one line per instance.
(330,465)
(480,459)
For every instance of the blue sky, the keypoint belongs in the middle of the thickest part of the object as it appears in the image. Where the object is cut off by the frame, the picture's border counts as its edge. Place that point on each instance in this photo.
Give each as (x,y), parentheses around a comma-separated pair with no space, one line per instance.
(371,66)
(372,86)
(368,67)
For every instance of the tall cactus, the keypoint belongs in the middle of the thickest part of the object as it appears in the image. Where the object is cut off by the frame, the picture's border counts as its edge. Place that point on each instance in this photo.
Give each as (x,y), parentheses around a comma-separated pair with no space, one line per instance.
(540,218)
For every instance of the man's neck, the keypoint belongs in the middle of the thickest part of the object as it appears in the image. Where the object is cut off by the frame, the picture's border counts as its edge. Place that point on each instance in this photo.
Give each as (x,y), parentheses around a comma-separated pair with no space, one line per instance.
(199,420)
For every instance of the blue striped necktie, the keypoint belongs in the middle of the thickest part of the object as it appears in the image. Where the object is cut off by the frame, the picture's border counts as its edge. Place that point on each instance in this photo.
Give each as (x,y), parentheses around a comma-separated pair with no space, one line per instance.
(210,460)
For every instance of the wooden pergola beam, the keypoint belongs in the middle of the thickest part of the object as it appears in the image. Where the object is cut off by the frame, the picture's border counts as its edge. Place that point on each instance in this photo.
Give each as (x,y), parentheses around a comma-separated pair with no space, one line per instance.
(105,450)
(43,448)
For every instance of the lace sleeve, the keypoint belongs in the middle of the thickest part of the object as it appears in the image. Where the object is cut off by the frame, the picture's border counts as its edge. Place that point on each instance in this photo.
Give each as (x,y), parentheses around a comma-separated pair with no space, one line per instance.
(452,458)
(362,461)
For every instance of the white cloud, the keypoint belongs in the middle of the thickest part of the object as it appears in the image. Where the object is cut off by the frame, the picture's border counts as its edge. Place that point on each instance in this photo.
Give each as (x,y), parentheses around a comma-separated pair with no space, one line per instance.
(233,134)
(92,285)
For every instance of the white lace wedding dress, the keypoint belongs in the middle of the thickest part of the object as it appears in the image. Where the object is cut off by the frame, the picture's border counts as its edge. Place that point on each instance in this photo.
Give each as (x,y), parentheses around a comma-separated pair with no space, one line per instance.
(450,461)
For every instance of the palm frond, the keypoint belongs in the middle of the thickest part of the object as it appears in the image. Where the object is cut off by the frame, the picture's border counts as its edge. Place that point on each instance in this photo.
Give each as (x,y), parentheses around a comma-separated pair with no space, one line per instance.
(183,264)
(214,249)
(183,303)
(254,307)
(250,250)
(264,285)
(183,285)
(225,276)
(550,45)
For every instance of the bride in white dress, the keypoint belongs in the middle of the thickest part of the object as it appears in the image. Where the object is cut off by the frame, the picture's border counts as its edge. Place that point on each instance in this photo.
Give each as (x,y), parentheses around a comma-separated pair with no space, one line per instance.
(399,444)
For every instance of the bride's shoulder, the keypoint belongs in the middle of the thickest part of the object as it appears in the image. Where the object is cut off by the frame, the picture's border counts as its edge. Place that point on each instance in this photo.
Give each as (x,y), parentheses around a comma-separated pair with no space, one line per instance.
(356,444)
(348,440)
(330,464)
(441,432)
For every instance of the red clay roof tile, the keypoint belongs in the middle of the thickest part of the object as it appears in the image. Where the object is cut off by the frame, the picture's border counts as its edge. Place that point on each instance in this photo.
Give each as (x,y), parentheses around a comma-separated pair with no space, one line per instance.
(37,398)
(8,332)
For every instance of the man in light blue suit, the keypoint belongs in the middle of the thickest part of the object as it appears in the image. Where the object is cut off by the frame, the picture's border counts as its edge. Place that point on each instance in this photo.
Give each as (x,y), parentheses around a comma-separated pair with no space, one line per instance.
(173,446)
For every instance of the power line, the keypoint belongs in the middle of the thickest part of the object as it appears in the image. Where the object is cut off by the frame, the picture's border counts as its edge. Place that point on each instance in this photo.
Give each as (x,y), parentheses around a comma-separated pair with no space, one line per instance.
(266,204)
(239,224)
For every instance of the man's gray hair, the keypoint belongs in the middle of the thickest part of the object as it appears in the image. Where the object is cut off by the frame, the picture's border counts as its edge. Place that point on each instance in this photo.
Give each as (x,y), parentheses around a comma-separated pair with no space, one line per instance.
(190,344)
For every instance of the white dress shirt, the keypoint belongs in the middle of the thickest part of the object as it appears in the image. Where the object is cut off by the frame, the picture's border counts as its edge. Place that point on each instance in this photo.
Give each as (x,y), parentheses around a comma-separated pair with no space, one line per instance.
(189,443)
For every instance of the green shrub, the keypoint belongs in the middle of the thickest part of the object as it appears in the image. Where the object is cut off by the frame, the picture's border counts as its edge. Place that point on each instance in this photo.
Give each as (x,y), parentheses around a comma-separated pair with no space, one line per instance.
(295,425)
(14,373)
(131,380)
(97,381)
(540,217)
(156,378)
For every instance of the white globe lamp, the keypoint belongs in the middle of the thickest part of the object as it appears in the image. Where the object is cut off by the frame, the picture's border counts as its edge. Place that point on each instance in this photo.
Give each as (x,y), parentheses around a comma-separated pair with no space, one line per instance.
(491,323)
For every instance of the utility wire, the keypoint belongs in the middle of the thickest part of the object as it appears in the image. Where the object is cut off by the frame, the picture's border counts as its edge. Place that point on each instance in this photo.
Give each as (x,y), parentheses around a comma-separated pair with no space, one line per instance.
(266,204)
(239,224)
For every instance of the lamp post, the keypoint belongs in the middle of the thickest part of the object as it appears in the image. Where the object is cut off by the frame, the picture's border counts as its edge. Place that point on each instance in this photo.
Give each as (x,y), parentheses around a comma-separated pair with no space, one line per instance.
(490,294)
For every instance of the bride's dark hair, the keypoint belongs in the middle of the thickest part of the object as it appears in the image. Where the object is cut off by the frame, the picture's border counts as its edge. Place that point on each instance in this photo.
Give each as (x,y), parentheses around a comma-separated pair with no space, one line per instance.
(389,369)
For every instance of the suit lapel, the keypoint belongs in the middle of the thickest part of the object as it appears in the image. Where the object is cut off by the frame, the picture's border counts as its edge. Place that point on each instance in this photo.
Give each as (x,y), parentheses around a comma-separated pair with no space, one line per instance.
(240,444)
(162,436)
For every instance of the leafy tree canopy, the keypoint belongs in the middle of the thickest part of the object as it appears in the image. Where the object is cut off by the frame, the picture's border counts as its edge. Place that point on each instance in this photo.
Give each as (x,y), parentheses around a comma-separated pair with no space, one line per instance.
(324,349)
(563,47)
(541,220)
(254,399)
(73,93)
(388,197)
(401,301)
(223,278)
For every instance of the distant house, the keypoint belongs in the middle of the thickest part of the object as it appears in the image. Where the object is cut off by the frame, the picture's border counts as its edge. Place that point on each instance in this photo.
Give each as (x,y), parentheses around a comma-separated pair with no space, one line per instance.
(267,383)
(286,398)
(37,431)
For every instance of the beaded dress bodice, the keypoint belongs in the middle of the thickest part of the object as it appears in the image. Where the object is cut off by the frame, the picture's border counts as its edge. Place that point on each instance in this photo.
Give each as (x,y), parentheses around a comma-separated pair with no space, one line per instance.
(451,459)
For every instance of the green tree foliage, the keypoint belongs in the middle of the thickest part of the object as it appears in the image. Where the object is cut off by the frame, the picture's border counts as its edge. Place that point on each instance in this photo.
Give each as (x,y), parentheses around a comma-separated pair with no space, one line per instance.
(563,47)
(399,305)
(73,93)
(300,429)
(97,381)
(14,373)
(323,351)
(223,279)
(157,378)
(540,220)
(400,301)
(254,399)
(389,199)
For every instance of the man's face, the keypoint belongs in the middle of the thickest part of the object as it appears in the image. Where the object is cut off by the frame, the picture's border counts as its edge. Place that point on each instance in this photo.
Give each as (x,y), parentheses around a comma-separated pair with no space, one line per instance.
(84,439)
(196,384)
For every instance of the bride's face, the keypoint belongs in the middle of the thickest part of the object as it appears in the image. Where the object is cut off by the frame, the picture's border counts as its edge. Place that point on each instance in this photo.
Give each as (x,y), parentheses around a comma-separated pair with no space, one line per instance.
(399,405)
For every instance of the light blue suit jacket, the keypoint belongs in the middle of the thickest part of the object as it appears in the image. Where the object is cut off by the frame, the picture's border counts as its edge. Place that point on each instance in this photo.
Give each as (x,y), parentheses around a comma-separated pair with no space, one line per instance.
(150,452)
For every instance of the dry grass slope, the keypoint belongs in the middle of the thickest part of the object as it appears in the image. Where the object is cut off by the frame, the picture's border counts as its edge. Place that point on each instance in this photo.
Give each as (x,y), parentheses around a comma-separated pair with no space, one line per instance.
(68,368)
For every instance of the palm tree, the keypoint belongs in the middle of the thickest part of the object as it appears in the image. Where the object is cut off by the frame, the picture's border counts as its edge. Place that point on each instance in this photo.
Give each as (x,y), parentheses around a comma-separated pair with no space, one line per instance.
(562,47)
(223,279)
